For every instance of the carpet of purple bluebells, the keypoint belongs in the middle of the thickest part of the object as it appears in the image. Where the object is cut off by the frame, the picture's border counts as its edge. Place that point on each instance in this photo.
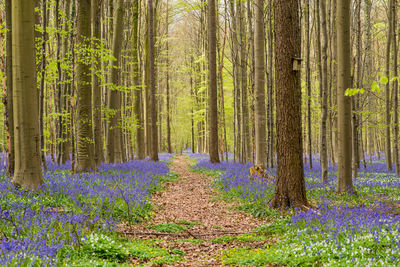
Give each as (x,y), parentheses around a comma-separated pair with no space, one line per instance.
(36,227)
(342,230)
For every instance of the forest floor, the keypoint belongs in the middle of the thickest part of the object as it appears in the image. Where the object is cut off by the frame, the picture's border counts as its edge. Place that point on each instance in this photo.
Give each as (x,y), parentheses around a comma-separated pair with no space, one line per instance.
(189,216)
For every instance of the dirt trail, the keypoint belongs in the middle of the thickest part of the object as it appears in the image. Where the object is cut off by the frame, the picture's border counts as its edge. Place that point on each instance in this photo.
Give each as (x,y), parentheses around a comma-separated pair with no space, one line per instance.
(191,199)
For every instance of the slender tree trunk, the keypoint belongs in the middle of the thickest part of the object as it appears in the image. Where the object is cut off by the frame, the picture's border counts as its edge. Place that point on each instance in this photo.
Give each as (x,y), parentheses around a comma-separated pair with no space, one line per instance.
(324,89)
(153,104)
(308,82)
(261,146)
(85,146)
(25,96)
(96,89)
(387,92)
(395,89)
(345,182)
(290,188)
(140,143)
(9,92)
(114,137)
(169,148)
(245,134)
(213,90)
(42,86)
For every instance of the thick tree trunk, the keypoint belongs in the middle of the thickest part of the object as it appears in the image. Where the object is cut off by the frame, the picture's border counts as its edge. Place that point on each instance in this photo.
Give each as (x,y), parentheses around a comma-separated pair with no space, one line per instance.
(213,90)
(25,96)
(42,87)
(85,144)
(260,132)
(290,188)
(345,182)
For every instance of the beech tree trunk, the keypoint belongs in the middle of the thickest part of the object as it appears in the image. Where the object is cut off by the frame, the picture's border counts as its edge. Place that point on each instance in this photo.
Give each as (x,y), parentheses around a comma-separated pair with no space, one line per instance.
(387,92)
(140,143)
(9,93)
(25,96)
(290,188)
(96,89)
(85,144)
(213,90)
(324,89)
(260,125)
(153,103)
(345,182)
(114,137)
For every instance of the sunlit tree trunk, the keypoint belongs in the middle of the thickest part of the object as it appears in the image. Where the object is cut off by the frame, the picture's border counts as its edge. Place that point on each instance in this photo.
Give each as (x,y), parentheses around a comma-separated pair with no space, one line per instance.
(324,89)
(260,132)
(387,92)
(85,144)
(25,97)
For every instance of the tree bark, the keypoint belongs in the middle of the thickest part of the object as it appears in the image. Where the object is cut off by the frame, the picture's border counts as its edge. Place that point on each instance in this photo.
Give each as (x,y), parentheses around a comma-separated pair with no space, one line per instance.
(140,143)
(213,90)
(290,188)
(345,182)
(114,137)
(387,92)
(260,132)
(153,104)
(324,89)
(25,96)
(9,93)
(85,144)
(96,89)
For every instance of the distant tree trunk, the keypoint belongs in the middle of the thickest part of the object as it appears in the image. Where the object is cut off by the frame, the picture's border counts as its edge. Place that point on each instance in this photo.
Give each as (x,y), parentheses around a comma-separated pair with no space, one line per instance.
(140,144)
(387,92)
(345,182)
(290,188)
(42,86)
(25,96)
(153,104)
(169,148)
(245,130)
(213,90)
(9,93)
(96,89)
(324,89)
(271,104)
(85,146)
(395,88)
(308,82)
(114,147)
(260,133)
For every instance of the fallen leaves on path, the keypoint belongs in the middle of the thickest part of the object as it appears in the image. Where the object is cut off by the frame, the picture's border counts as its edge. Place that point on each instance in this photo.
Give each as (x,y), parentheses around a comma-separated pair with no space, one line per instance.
(191,199)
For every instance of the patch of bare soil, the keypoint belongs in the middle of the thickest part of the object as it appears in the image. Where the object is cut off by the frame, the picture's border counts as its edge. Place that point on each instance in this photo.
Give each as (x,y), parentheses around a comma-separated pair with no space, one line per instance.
(191,199)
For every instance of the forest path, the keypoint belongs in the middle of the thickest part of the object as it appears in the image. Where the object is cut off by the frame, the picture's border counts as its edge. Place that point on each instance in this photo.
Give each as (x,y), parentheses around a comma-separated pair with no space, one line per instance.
(190,203)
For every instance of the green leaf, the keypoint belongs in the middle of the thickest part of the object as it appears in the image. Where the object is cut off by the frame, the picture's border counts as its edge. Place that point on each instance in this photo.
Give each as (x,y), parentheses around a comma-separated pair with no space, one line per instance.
(375,87)
(384,80)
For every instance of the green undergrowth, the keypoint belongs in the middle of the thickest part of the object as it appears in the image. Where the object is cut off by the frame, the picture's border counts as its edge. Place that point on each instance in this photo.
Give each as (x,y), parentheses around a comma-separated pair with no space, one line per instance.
(110,250)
